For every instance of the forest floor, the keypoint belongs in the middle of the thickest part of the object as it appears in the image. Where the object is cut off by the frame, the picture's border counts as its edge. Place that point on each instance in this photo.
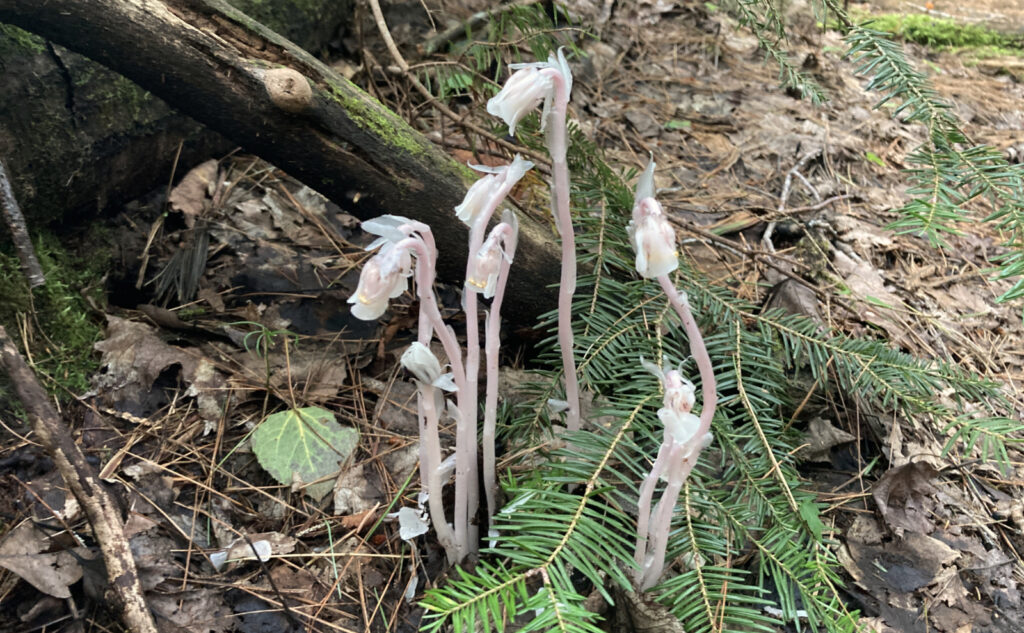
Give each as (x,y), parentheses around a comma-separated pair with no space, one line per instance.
(172,411)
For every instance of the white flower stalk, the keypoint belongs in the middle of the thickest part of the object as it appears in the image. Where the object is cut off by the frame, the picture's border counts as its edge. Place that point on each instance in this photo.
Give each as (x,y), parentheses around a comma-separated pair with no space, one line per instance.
(482,268)
(430,380)
(551,81)
(507,234)
(677,449)
(652,236)
(685,434)
(402,243)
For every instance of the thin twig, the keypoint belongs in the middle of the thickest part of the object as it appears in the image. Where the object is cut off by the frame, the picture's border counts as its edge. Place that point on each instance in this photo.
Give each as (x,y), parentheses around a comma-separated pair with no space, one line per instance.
(19,232)
(474,21)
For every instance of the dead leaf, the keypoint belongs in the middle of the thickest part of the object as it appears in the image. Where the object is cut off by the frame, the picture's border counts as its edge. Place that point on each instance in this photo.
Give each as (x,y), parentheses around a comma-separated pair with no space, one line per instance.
(201,611)
(189,196)
(893,568)
(865,238)
(878,304)
(821,436)
(793,297)
(21,552)
(353,493)
(133,358)
(904,497)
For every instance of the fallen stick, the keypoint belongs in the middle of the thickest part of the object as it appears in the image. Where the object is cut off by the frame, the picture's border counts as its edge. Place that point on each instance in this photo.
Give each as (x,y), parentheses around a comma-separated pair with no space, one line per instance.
(19,232)
(125,590)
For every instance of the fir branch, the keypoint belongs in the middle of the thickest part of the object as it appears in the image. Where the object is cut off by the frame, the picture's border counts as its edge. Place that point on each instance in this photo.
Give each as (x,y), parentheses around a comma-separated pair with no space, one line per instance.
(953,170)
(763,19)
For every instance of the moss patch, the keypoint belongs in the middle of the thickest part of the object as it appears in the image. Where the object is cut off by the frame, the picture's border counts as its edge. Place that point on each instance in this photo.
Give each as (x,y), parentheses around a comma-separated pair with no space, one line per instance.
(947,35)
(372,116)
(57,324)
(15,40)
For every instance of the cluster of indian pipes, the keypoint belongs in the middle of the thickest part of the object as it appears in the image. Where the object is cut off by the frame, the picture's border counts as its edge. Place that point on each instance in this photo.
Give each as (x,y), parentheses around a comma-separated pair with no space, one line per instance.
(406,247)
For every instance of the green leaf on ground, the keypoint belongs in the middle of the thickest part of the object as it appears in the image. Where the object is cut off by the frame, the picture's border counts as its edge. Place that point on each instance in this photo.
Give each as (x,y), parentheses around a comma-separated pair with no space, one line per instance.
(305,444)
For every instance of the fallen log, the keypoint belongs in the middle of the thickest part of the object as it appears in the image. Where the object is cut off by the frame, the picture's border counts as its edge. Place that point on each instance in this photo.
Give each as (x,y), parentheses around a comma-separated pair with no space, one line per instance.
(222,68)
(78,138)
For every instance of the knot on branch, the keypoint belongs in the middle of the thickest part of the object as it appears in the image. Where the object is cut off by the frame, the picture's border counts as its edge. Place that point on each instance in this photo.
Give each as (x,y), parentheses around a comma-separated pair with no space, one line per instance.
(288,89)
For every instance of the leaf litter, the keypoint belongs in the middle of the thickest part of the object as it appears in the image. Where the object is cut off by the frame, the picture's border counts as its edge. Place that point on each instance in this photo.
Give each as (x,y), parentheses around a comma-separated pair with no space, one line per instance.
(930,543)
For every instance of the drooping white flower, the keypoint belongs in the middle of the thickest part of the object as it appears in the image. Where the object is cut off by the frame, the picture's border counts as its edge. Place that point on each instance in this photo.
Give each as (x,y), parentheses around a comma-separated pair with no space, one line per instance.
(680,427)
(500,244)
(527,87)
(652,236)
(678,400)
(524,91)
(419,360)
(496,178)
(391,228)
(384,277)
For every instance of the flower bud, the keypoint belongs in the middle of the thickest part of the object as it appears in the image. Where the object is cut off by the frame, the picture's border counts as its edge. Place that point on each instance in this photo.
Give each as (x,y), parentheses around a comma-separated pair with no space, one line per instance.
(419,360)
(384,277)
(500,244)
(679,427)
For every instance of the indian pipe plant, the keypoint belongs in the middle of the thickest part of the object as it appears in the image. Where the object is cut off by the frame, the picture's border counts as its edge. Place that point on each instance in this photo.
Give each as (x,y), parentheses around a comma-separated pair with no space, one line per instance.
(621,487)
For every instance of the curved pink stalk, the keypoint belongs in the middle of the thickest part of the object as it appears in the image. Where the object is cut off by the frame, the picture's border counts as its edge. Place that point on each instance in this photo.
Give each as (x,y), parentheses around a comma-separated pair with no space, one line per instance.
(677,456)
(430,444)
(643,504)
(492,342)
(467,494)
(551,82)
(699,351)
(557,146)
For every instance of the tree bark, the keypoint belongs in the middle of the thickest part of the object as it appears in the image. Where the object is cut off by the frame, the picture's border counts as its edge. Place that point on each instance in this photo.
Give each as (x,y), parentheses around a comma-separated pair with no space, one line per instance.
(78,137)
(217,65)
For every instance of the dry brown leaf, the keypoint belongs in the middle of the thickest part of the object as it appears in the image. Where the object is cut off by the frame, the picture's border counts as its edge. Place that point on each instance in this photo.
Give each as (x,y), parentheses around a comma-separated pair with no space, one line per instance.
(878,305)
(821,436)
(904,496)
(133,358)
(189,196)
(354,521)
(21,552)
(353,493)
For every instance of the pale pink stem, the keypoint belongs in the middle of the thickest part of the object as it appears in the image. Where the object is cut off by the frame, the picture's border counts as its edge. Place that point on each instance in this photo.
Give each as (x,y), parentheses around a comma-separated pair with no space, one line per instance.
(643,504)
(467,496)
(430,459)
(661,520)
(653,528)
(557,146)
(430,448)
(425,291)
(699,352)
(492,338)
(425,331)
(467,492)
